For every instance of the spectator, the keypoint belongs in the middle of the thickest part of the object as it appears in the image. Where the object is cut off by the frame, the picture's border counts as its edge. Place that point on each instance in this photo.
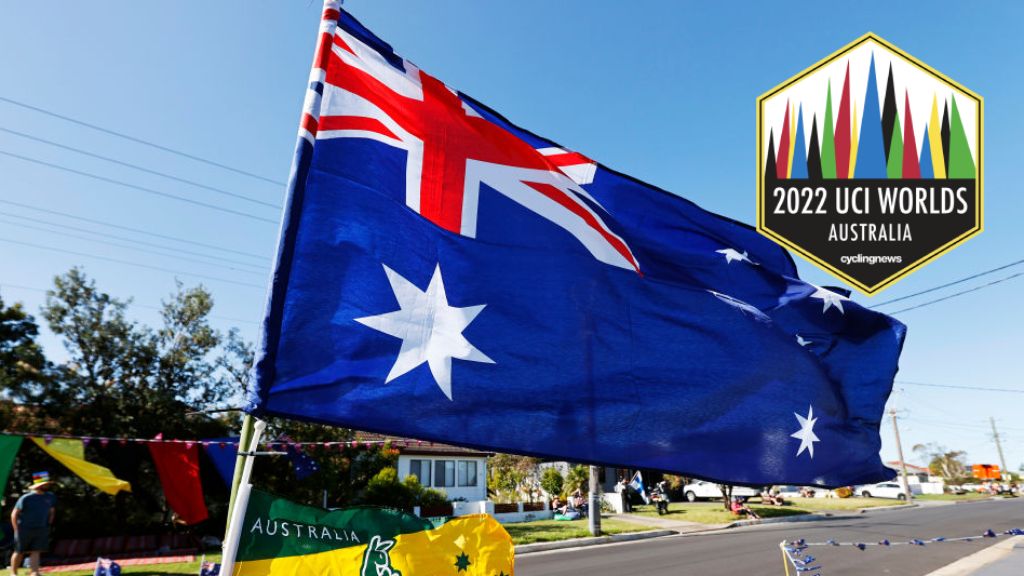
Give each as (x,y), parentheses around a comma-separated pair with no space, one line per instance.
(623,489)
(741,509)
(32,518)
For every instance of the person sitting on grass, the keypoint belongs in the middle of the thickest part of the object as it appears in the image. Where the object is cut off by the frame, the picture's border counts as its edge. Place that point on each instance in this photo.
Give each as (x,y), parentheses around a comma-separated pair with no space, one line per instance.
(771,498)
(740,509)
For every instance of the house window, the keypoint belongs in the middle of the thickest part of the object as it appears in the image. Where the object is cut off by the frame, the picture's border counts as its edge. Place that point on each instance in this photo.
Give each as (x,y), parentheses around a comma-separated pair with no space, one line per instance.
(421,470)
(444,473)
(467,473)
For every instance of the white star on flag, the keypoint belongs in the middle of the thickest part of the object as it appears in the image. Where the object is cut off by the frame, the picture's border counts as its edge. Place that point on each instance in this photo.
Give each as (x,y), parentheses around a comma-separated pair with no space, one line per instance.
(801,341)
(806,434)
(829,299)
(731,254)
(430,329)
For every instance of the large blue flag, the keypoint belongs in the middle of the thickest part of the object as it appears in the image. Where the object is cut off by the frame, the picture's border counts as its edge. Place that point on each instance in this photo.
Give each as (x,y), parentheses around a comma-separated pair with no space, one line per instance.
(445,275)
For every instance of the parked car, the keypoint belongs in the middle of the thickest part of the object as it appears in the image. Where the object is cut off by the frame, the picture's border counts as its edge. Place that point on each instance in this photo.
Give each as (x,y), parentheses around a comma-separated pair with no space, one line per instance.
(701,490)
(882,490)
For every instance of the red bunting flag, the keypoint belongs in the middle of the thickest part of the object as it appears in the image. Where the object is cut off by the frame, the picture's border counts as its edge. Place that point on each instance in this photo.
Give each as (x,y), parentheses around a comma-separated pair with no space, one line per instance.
(178,468)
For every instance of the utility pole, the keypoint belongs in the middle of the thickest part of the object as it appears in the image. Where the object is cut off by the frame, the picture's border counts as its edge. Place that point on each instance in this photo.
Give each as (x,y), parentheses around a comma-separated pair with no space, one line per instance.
(899,451)
(595,503)
(999,447)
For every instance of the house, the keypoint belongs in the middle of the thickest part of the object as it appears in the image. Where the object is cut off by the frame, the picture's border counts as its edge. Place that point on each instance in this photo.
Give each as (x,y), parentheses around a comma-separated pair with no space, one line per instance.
(919,478)
(461,473)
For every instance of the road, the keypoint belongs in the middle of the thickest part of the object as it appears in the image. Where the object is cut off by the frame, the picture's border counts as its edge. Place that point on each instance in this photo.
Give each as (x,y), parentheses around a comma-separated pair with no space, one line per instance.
(753,550)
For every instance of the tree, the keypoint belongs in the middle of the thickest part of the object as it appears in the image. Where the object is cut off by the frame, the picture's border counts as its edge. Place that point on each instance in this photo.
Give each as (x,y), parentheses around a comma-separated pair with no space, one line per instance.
(578,478)
(943,462)
(726,490)
(22,363)
(510,476)
(552,481)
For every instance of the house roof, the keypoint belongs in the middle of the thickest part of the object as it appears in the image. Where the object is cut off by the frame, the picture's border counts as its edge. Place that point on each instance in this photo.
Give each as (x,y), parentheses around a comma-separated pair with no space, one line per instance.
(411,446)
(912,469)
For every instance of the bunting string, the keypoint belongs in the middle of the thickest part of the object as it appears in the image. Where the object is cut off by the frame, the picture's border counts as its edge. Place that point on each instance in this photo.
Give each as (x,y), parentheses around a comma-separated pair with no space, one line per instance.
(272,445)
(796,551)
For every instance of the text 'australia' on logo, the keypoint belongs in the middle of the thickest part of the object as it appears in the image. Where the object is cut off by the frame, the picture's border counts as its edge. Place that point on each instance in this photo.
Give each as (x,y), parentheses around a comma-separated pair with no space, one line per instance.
(285,529)
(869,164)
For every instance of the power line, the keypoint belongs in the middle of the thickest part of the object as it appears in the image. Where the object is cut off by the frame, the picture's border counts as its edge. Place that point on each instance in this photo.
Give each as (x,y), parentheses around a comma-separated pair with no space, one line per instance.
(953,283)
(258,268)
(136,187)
(961,387)
(130,229)
(130,247)
(146,306)
(961,293)
(139,140)
(143,169)
(130,263)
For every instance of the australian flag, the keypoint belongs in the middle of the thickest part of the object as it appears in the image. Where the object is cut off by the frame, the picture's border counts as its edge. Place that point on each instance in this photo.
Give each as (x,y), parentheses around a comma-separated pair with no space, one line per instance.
(445,275)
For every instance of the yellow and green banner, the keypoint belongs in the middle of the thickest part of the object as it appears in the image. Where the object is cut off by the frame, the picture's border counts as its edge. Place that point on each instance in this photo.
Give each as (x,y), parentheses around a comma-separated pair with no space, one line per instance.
(280,538)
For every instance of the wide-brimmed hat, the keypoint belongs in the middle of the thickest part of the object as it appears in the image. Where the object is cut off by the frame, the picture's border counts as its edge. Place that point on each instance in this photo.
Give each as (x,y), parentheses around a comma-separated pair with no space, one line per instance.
(40,480)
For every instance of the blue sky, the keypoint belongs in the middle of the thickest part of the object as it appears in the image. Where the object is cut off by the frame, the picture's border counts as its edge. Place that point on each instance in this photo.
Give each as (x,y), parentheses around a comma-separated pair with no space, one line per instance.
(663,91)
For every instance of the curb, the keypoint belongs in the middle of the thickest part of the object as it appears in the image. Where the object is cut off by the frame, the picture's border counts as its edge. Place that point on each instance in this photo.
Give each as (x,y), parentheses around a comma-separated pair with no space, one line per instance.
(591,541)
(647,534)
(970,564)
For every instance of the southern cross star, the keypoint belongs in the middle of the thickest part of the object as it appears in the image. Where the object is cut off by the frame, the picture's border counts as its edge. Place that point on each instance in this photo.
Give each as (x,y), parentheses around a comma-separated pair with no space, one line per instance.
(806,434)
(430,329)
(731,254)
(829,299)
(462,562)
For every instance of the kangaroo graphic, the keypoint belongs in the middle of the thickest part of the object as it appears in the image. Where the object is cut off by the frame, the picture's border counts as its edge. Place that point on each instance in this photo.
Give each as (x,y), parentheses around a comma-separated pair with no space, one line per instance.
(377,556)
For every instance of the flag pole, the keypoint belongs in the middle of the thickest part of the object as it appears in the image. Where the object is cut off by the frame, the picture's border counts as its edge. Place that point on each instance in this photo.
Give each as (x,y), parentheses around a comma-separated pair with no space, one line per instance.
(243,443)
(240,492)
(252,428)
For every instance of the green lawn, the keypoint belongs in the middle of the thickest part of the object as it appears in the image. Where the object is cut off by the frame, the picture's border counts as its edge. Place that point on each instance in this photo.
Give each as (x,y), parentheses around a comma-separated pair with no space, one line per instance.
(189,568)
(551,530)
(714,513)
(828,504)
(953,497)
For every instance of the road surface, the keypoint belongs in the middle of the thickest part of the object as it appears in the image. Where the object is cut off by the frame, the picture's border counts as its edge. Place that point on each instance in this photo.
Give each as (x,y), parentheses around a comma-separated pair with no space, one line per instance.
(753,550)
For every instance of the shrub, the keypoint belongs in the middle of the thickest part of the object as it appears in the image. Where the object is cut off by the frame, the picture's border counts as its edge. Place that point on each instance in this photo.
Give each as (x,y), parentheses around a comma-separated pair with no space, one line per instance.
(552,481)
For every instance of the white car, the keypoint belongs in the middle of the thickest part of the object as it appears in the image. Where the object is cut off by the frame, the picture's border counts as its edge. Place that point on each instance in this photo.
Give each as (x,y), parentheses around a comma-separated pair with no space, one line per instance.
(701,490)
(882,490)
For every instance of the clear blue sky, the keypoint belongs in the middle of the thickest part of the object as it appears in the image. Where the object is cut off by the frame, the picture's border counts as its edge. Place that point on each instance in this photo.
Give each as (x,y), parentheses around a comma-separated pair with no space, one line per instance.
(664,91)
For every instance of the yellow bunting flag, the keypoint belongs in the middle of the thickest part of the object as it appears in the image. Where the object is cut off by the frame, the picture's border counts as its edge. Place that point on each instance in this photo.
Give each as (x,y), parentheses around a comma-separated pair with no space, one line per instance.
(71,453)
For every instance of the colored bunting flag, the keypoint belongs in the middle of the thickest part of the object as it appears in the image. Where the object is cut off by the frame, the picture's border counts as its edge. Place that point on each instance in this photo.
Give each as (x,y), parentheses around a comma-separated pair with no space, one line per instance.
(223,452)
(71,453)
(178,468)
(303,464)
(281,538)
(9,446)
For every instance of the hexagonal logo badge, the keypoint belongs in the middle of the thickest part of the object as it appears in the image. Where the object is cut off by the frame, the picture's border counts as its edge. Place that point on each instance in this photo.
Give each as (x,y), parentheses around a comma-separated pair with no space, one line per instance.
(869,164)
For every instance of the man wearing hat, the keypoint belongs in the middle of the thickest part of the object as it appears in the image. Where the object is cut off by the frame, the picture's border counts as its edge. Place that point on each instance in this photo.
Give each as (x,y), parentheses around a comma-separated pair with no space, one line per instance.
(32,517)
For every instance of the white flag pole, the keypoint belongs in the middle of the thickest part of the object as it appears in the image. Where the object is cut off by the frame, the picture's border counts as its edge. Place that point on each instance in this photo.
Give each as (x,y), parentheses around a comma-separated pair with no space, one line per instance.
(234,530)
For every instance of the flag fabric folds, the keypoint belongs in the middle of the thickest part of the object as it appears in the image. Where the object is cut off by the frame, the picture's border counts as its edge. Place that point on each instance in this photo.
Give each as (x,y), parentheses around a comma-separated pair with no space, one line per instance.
(177,464)
(9,446)
(279,537)
(71,453)
(446,275)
